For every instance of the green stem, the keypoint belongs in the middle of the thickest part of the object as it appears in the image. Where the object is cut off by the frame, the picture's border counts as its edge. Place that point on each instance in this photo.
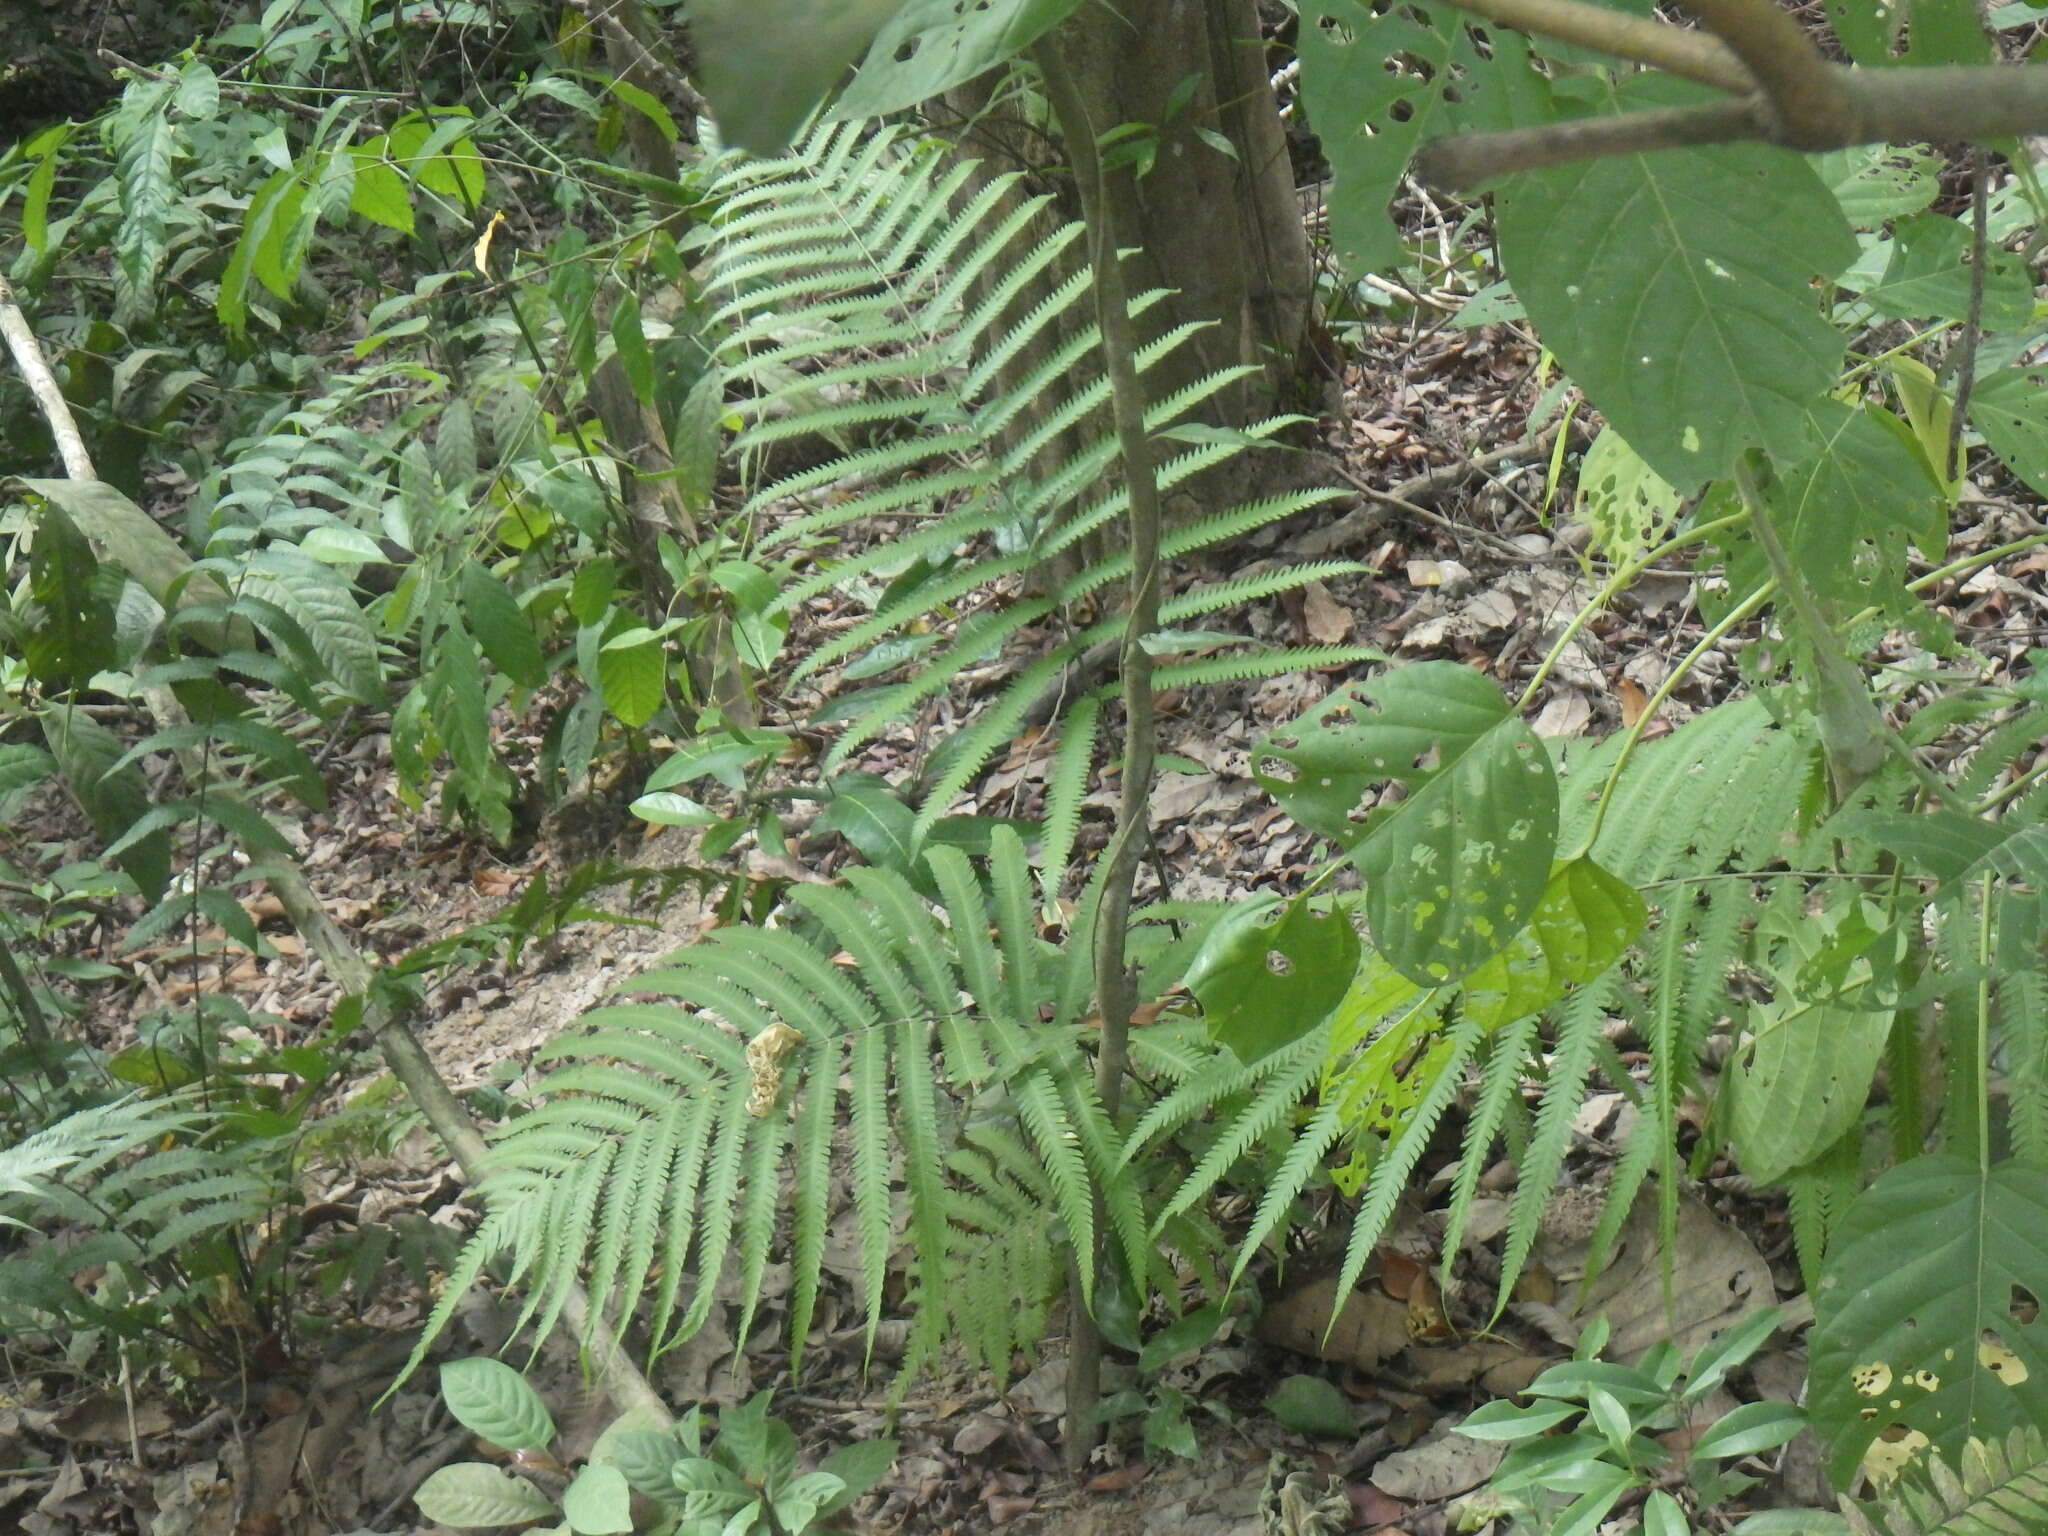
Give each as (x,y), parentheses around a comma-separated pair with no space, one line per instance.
(1736,616)
(1619,581)
(1115,987)
(1854,732)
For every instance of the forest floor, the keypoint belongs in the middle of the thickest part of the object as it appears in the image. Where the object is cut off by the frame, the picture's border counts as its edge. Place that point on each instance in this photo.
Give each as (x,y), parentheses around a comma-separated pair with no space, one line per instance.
(1479,564)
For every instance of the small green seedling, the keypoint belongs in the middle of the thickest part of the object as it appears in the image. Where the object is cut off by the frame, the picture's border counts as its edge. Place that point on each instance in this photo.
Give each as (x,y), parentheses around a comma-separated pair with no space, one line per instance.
(1587,1437)
(747,1482)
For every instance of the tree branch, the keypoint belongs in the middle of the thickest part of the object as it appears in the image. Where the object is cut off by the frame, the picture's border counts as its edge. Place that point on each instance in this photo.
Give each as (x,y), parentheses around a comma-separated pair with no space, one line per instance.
(1939,103)
(1807,99)
(1462,160)
(1678,51)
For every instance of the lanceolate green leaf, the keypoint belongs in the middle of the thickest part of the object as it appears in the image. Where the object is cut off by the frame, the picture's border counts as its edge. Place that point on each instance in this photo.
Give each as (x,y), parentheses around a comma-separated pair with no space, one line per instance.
(1696,334)
(1920,1322)
(501,627)
(321,604)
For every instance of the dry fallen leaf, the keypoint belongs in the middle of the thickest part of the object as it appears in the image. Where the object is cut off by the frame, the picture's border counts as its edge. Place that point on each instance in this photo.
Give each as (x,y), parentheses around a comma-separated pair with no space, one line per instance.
(1327,621)
(1370,1328)
(1633,700)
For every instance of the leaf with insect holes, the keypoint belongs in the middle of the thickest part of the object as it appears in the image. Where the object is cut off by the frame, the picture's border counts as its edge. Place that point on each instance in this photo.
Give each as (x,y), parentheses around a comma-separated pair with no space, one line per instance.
(1455,869)
(1264,984)
(1925,1320)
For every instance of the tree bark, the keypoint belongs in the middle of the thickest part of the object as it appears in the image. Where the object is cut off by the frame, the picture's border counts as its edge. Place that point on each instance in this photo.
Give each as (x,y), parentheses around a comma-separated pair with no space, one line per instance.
(1224,231)
(1241,266)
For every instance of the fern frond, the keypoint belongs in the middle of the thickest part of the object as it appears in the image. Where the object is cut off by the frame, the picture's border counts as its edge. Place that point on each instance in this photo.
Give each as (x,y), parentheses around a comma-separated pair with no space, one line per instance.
(652,1147)
(1390,1174)
(1500,1082)
(1571,1058)
(1269,1104)
(1066,785)
(87,1141)
(1241,666)
(2023,1043)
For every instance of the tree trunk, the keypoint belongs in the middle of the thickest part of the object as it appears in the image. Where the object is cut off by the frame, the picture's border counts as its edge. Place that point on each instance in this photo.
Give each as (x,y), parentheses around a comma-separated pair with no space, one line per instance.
(1240,266)
(1224,231)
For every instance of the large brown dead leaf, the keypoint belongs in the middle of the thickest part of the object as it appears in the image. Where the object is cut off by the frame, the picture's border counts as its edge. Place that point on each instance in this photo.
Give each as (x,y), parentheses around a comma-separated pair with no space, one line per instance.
(1717,1276)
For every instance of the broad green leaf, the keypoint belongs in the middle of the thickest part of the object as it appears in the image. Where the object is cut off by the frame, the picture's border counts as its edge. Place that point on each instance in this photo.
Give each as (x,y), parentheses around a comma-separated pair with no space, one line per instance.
(501,626)
(121,533)
(1454,871)
(1847,511)
(2011,409)
(767,64)
(442,156)
(632,680)
(491,1399)
(1696,334)
(1310,1405)
(474,1493)
(930,46)
(1918,1323)
(1625,503)
(1263,983)
(599,1502)
(1876,182)
(1930,274)
(378,192)
(1586,919)
(1371,112)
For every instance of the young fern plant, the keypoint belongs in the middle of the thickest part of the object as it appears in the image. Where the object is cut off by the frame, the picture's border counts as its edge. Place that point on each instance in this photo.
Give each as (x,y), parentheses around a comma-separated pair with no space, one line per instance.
(843,278)
(937,1069)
